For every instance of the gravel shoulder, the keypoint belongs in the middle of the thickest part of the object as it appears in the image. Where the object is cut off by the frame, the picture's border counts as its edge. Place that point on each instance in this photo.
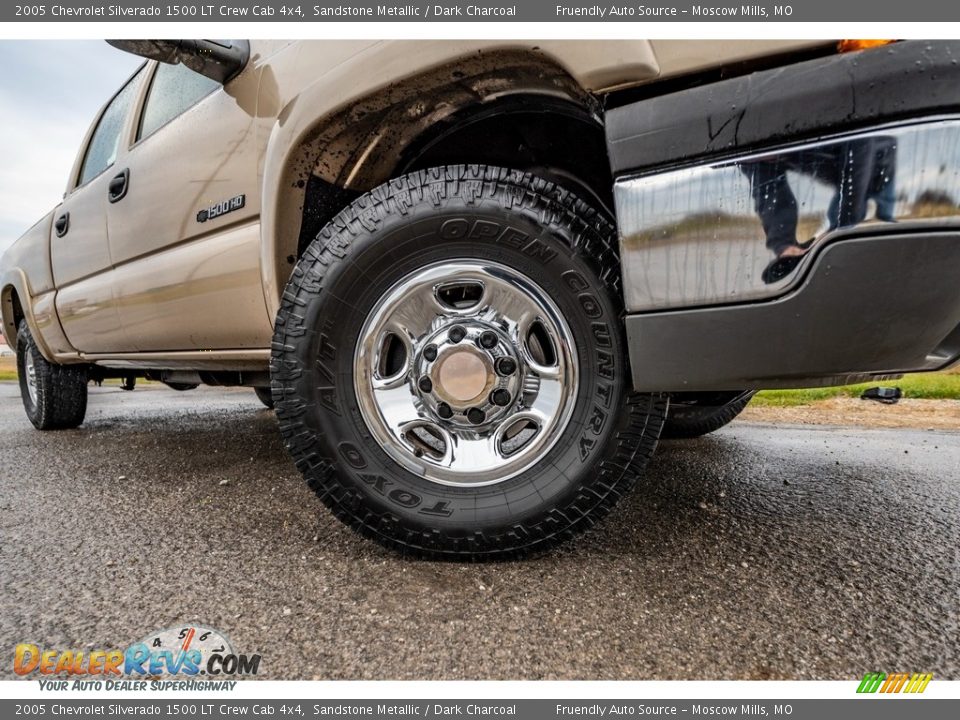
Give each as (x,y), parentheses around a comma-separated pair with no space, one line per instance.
(920,414)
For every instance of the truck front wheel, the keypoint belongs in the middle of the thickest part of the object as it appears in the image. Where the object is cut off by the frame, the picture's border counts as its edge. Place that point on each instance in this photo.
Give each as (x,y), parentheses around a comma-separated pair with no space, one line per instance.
(450,370)
(54,396)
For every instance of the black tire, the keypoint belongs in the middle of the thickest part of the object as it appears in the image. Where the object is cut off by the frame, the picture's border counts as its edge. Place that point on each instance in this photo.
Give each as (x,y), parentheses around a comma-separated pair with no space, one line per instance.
(569,250)
(686,421)
(265,395)
(60,390)
(181,387)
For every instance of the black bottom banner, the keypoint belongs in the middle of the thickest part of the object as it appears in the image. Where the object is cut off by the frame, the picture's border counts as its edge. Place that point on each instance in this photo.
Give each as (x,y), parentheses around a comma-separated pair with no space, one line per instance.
(872,708)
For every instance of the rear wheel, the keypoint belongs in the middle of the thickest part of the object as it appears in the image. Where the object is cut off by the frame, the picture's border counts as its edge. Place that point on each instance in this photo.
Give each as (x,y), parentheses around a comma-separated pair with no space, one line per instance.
(181,387)
(450,366)
(265,395)
(54,396)
(692,417)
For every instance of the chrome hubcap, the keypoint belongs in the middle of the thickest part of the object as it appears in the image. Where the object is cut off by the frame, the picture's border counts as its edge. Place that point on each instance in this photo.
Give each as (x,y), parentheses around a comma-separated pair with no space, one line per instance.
(466,373)
(31,373)
(462,375)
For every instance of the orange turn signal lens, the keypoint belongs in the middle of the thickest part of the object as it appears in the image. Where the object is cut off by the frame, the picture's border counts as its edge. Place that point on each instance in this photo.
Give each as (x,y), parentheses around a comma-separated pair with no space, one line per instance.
(851,45)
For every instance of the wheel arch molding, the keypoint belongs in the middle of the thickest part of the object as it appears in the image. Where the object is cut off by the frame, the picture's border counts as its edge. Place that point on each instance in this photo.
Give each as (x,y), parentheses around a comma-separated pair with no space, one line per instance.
(339,155)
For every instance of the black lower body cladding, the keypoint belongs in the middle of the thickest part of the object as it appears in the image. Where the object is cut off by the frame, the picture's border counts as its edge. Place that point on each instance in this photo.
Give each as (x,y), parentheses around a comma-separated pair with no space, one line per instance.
(795,102)
(447,215)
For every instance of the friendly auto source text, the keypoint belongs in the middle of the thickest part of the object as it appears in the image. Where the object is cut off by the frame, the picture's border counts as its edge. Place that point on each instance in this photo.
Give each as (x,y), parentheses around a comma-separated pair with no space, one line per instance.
(602,11)
(598,711)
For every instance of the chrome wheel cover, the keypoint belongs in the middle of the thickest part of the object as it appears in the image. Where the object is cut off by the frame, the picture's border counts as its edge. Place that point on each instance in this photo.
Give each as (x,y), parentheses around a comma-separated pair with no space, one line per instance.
(466,373)
(30,370)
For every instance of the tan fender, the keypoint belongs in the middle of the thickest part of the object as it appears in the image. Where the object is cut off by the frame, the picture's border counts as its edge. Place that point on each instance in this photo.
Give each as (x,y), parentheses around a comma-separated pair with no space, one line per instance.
(347,124)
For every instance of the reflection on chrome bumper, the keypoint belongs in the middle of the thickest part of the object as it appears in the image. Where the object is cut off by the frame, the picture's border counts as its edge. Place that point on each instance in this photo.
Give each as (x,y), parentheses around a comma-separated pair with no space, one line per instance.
(744,229)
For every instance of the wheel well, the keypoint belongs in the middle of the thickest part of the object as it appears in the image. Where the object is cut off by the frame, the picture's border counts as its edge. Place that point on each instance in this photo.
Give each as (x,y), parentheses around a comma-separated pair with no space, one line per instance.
(556,139)
(552,138)
(12,314)
(421,119)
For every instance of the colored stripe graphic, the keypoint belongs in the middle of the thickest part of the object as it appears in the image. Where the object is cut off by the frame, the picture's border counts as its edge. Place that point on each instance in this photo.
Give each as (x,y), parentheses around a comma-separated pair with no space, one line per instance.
(871,682)
(912,683)
(918,682)
(896,682)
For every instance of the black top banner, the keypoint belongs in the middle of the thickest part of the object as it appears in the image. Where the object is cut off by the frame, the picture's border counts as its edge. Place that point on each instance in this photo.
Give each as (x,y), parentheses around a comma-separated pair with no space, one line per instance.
(497,11)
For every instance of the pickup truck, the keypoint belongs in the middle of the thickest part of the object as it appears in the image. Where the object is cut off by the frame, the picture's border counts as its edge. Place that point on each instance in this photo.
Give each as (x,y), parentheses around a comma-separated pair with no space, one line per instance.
(477,280)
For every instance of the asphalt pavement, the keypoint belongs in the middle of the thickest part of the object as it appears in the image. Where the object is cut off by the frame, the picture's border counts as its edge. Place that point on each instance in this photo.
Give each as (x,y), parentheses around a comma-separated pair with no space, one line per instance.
(762,551)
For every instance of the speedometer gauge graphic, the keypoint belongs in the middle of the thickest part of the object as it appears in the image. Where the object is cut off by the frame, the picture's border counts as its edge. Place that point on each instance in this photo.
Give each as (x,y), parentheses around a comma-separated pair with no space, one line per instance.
(194,641)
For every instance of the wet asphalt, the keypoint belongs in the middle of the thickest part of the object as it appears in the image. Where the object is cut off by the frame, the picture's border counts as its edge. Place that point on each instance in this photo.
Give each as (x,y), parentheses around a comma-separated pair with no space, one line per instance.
(759,552)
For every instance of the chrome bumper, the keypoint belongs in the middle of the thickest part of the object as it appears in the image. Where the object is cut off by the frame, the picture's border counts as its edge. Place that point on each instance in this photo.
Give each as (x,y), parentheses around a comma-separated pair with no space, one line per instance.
(746,229)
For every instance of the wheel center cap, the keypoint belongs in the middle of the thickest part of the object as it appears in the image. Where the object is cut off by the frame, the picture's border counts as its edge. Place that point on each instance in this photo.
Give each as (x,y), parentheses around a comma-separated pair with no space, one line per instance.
(462,375)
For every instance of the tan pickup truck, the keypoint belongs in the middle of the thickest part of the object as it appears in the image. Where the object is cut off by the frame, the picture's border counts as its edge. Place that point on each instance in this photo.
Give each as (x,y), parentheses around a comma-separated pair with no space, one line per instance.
(475,278)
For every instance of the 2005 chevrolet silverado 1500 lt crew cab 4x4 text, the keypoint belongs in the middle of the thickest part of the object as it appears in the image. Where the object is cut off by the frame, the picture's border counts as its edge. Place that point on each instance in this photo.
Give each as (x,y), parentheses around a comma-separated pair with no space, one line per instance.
(477,280)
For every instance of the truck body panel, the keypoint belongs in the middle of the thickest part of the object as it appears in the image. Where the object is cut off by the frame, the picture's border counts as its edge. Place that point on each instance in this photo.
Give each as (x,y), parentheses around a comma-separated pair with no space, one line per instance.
(195,254)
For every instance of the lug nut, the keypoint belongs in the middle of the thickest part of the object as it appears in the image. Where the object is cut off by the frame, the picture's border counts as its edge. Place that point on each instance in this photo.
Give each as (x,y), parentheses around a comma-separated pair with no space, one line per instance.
(506,366)
(425,384)
(500,397)
(456,334)
(488,340)
(430,353)
(476,416)
(444,411)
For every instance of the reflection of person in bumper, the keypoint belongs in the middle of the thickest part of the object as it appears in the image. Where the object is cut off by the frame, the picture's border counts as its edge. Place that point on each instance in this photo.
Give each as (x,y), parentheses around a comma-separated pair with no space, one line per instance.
(857,170)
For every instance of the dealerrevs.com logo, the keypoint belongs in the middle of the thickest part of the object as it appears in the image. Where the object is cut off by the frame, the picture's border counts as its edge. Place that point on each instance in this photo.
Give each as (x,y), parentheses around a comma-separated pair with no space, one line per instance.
(184,651)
